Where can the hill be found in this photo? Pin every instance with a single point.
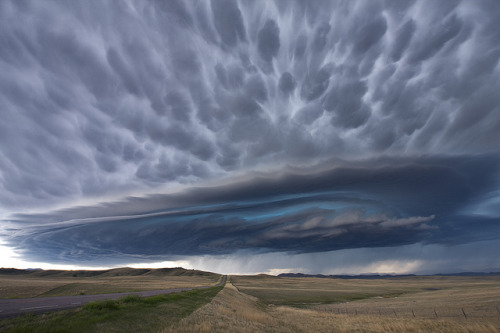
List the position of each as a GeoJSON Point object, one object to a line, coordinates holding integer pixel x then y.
{"type": "Point", "coordinates": [380, 276]}
{"type": "Point", "coordinates": [125, 271]}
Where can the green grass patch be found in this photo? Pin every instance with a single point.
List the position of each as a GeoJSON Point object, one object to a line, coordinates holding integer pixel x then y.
{"type": "Point", "coordinates": [102, 305]}
{"type": "Point", "coordinates": [302, 298]}
{"type": "Point", "coordinates": [132, 299]}
{"type": "Point", "coordinates": [128, 314]}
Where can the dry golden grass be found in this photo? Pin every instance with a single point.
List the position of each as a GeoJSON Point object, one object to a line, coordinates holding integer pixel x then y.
{"type": "Point", "coordinates": [230, 311]}
{"type": "Point", "coordinates": [316, 321]}
{"type": "Point", "coordinates": [297, 291]}
{"type": "Point", "coordinates": [20, 287]}
{"type": "Point", "coordinates": [460, 300]}
{"type": "Point", "coordinates": [235, 311]}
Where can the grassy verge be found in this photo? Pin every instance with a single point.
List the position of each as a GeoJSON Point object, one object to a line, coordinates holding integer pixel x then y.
{"type": "Point", "coordinates": [128, 314]}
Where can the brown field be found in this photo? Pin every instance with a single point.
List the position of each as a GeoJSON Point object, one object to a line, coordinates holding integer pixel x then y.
{"type": "Point", "coordinates": [266, 303]}
{"type": "Point", "coordinates": [23, 284]}
{"type": "Point", "coordinates": [414, 304]}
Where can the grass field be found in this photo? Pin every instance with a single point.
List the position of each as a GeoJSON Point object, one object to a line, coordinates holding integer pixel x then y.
{"type": "Point", "coordinates": [260, 303]}
{"type": "Point", "coordinates": [272, 304]}
{"type": "Point", "coordinates": [301, 292]}
{"type": "Point", "coordinates": [21, 284]}
{"type": "Point", "coordinates": [129, 314]}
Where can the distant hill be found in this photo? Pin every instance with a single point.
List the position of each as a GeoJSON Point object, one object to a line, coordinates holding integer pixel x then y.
{"type": "Point", "coordinates": [364, 276]}
{"type": "Point", "coordinates": [126, 271]}
{"type": "Point", "coordinates": [470, 274]}
{"type": "Point", "coordinates": [380, 276]}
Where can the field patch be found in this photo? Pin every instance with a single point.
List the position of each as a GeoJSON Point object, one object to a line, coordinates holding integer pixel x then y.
{"type": "Point", "coordinates": [128, 314]}
{"type": "Point", "coordinates": [235, 311]}
{"type": "Point", "coordinates": [409, 304]}
{"type": "Point", "coordinates": [24, 284]}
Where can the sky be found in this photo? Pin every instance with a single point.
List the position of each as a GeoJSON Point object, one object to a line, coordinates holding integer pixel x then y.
{"type": "Point", "coordinates": [243, 137]}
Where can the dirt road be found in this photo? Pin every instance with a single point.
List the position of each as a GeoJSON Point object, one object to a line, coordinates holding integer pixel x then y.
{"type": "Point", "coordinates": [19, 306]}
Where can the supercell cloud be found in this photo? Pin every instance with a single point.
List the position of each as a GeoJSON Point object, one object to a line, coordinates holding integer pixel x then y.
{"type": "Point", "coordinates": [280, 130]}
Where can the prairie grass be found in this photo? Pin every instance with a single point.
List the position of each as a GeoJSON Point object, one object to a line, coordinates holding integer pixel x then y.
{"type": "Point", "coordinates": [306, 320]}
{"type": "Point", "coordinates": [290, 305]}
{"type": "Point", "coordinates": [40, 286]}
{"type": "Point", "coordinates": [457, 303]}
{"type": "Point", "coordinates": [229, 311]}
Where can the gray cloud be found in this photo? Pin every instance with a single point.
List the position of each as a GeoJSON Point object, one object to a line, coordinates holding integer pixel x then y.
{"type": "Point", "coordinates": [287, 82]}
{"type": "Point", "coordinates": [345, 100]}
{"type": "Point", "coordinates": [108, 99]}
{"type": "Point", "coordinates": [403, 38]}
{"type": "Point", "coordinates": [429, 45]}
{"type": "Point", "coordinates": [370, 34]}
{"type": "Point", "coordinates": [268, 42]}
{"type": "Point", "coordinates": [415, 258]}
{"type": "Point", "coordinates": [228, 21]}
{"type": "Point", "coordinates": [391, 203]}
{"type": "Point", "coordinates": [315, 84]}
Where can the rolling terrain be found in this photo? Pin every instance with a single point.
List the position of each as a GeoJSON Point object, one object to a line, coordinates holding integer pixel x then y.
{"type": "Point", "coordinates": [43, 283]}
{"type": "Point", "coordinates": [408, 304]}
{"type": "Point", "coordinates": [260, 303]}
{"type": "Point", "coordinates": [146, 311]}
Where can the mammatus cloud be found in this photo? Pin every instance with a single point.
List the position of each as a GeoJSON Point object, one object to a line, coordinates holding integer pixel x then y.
{"type": "Point", "coordinates": [117, 97]}
{"type": "Point", "coordinates": [108, 100]}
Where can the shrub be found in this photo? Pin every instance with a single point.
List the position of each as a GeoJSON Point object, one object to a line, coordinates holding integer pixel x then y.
{"type": "Point", "coordinates": [102, 305]}
{"type": "Point", "coordinates": [153, 300]}
{"type": "Point", "coordinates": [131, 299]}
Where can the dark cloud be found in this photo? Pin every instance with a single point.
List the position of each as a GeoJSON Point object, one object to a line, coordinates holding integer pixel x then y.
{"type": "Point", "coordinates": [118, 64]}
{"type": "Point", "coordinates": [309, 114]}
{"type": "Point", "coordinates": [114, 99]}
{"type": "Point", "coordinates": [430, 44]}
{"type": "Point", "coordinates": [300, 46]}
{"type": "Point", "coordinates": [369, 34]}
{"type": "Point", "coordinates": [287, 83]}
{"type": "Point", "coordinates": [321, 36]}
{"type": "Point", "coordinates": [177, 105]}
{"type": "Point", "coordinates": [345, 100]}
{"type": "Point", "coordinates": [176, 10]}
{"type": "Point", "coordinates": [402, 40]}
{"type": "Point", "coordinates": [228, 21]}
{"type": "Point", "coordinates": [268, 42]}
{"type": "Point", "coordinates": [315, 84]}
{"type": "Point", "coordinates": [393, 202]}
{"type": "Point", "coordinates": [256, 88]}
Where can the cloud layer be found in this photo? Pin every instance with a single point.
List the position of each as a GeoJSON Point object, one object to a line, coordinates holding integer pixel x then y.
{"type": "Point", "coordinates": [111, 97]}
{"type": "Point", "coordinates": [352, 124]}
{"type": "Point", "coordinates": [391, 203]}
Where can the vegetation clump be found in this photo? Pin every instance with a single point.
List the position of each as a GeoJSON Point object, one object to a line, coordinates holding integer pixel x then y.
{"type": "Point", "coordinates": [102, 305]}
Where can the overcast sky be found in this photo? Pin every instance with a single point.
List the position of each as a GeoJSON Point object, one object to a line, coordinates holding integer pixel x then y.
{"type": "Point", "coordinates": [251, 136]}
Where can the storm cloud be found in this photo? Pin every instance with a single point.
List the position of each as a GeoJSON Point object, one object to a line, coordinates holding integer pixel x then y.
{"type": "Point", "coordinates": [185, 128]}
{"type": "Point", "coordinates": [394, 202]}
